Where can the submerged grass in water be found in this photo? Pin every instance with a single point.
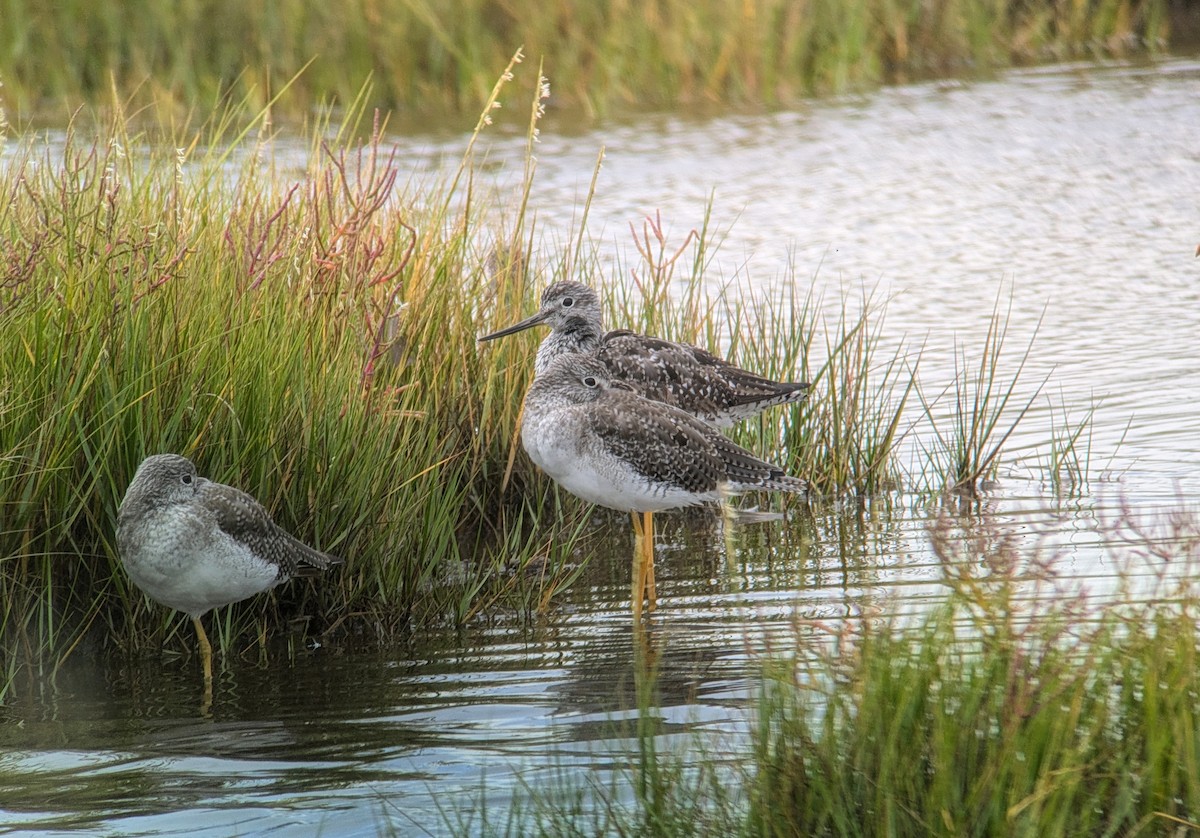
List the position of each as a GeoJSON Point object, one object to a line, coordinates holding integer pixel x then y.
{"type": "Point", "coordinates": [979, 416]}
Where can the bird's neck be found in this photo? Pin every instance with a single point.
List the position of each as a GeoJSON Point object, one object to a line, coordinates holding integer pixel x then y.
{"type": "Point", "coordinates": [138, 508]}
{"type": "Point", "coordinates": [543, 401]}
{"type": "Point", "coordinates": [577, 335]}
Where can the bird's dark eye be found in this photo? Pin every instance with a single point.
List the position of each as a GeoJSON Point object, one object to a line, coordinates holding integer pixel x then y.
{"type": "Point", "coordinates": [589, 381]}
{"type": "Point", "coordinates": [568, 302]}
{"type": "Point", "coordinates": [187, 478]}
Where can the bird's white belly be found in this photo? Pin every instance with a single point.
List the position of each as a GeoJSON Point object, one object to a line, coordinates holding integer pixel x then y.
{"type": "Point", "coordinates": [577, 463]}
{"type": "Point", "coordinates": [190, 565]}
{"type": "Point", "coordinates": [622, 488]}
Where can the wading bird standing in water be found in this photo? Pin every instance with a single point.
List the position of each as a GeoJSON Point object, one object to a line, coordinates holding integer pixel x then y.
{"type": "Point", "coordinates": [605, 443]}
{"type": "Point", "coordinates": [194, 545]}
{"type": "Point", "coordinates": [674, 374]}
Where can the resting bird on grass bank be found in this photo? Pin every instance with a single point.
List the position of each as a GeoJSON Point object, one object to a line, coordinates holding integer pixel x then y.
{"type": "Point", "coordinates": [603, 442]}
{"type": "Point", "coordinates": [194, 545]}
{"type": "Point", "coordinates": [678, 374]}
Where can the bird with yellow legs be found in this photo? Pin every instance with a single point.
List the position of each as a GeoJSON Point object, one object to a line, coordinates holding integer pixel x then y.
{"type": "Point", "coordinates": [604, 443]}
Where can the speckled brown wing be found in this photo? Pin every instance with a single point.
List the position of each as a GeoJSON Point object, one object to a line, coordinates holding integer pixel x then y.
{"type": "Point", "coordinates": [669, 446]}
{"type": "Point", "coordinates": [660, 442]}
{"type": "Point", "coordinates": [691, 378]}
{"type": "Point", "coordinates": [245, 519]}
{"type": "Point", "coordinates": [744, 469]}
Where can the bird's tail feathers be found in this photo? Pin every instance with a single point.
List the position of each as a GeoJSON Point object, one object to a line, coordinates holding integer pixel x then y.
{"type": "Point", "coordinates": [309, 561]}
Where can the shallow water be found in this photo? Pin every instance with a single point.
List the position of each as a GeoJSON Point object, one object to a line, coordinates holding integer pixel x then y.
{"type": "Point", "coordinates": [1070, 190]}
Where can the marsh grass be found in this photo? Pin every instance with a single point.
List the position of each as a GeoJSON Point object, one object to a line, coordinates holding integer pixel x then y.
{"type": "Point", "coordinates": [1023, 706]}
{"type": "Point", "coordinates": [1066, 459]}
{"type": "Point", "coordinates": [842, 438]}
{"type": "Point", "coordinates": [310, 342]}
{"type": "Point", "coordinates": [1020, 705]}
{"type": "Point", "coordinates": [604, 55]}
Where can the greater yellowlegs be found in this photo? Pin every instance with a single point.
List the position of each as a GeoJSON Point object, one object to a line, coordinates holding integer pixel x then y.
{"type": "Point", "coordinates": [604, 443]}
{"type": "Point", "coordinates": [679, 374]}
{"type": "Point", "coordinates": [194, 545]}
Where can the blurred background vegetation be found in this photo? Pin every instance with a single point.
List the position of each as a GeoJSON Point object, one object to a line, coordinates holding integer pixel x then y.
{"type": "Point", "coordinates": [427, 56]}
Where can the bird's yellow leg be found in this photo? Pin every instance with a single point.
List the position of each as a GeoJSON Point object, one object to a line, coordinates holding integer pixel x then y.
{"type": "Point", "coordinates": [205, 651]}
{"type": "Point", "coordinates": [648, 538]}
{"type": "Point", "coordinates": [637, 575]}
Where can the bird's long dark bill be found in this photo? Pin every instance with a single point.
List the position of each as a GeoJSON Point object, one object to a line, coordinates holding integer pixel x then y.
{"type": "Point", "coordinates": [527, 323]}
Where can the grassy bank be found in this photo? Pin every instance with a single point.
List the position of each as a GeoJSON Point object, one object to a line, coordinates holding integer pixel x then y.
{"type": "Point", "coordinates": [311, 337]}
{"type": "Point", "coordinates": [311, 341]}
{"type": "Point", "coordinates": [1023, 706]}
{"type": "Point", "coordinates": [601, 56]}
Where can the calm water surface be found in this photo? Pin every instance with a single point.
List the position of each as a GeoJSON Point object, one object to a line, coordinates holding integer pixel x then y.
{"type": "Point", "coordinates": [1071, 191]}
